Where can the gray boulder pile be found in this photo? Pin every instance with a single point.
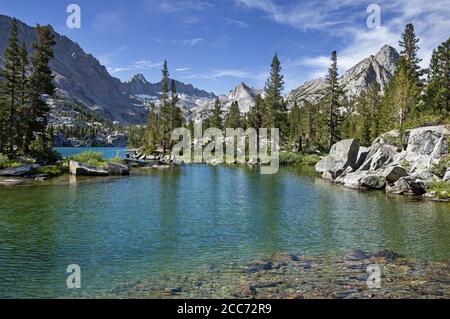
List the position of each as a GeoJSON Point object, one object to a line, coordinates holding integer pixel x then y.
{"type": "Point", "coordinates": [399, 167]}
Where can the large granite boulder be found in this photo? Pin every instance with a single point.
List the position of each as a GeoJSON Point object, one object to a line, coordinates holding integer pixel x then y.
{"type": "Point", "coordinates": [80, 169]}
{"type": "Point", "coordinates": [425, 147]}
{"type": "Point", "coordinates": [373, 181]}
{"type": "Point", "coordinates": [117, 169]}
{"type": "Point", "coordinates": [380, 155]}
{"type": "Point", "coordinates": [431, 141]}
{"type": "Point", "coordinates": [342, 155]}
{"type": "Point", "coordinates": [410, 185]}
{"type": "Point", "coordinates": [393, 173]}
{"type": "Point", "coordinates": [362, 155]}
{"type": "Point", "coordinates": [20, 171]}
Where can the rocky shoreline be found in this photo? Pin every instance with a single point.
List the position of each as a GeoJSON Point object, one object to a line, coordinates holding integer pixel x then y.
{"type": "Point", "coordinates": [289, 276]}
{"type": "Point", "coordinates": [401, 167]}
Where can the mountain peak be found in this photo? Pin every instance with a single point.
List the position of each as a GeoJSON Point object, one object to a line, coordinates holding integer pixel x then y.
{"type": "Point", "coordinates": [377, 68]}
{"type": "Point", "coordinates": [138, 78]}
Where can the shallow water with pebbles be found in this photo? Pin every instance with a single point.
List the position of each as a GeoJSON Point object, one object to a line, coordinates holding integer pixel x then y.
{"type": "Point", "coordinates": [301, 277]}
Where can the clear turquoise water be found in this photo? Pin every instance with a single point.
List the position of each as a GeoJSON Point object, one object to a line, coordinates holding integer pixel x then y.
{"type": "Point", "coordinates": [180, 220]}
{"type": "Point", "coordinates": [108, 152]}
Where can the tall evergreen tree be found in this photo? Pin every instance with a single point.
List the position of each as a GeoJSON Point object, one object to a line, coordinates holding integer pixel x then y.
{"type": "Point", "coordinates": [409, 44]}
{"type": "Point", "coordinates": [404, 94]}
{"type": "Point", "coordinates": [9, 91]}
{"type": "Point", "coordinates": [152, 136]}
{"type": "Point", "coordinates": [41, 83]}
{"type": "Point", "coordinates": [215, 120]}
{"type": "Point", "coordinates": [255, 114]}
{"type": "Point", "coordinates": [233, 118]}
{"type": "Point", "coordinates": [176, 113]}
{"type": "Point", "coordinates": [165, 111]}
{"type": "Point", "coordinates": [275, 113]}
{"type": "Point", "coordinates": [438, 88]}
{"type": "Point", "coordinates": [333, 96]}
{"type": "Point", "coordinates": [24, 99]}
{"type": "Point", "coordinates": [296, 127]}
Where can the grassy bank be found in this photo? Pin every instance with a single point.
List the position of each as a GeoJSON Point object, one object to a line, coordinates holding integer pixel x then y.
{"type": "Point", "coordinates": [290, 158]}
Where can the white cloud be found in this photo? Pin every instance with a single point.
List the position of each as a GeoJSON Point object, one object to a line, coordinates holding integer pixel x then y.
{"type": "Point", "coordinates": [233, 73]}
{"type": "Point", "coordinates": [183, 69]}
{"type": "Point", "coordinates": [136, 66]}
{"type": "Point", "coordinates": [106, 58]}
{"type": "Point", "coordinates": [182, 42]}
{"type": "Point", "coordinates": [237, 23]}
{"type": "Point", "coordinates": [107, 21]}
{"type": "Point", "coordinates": [348, 17]}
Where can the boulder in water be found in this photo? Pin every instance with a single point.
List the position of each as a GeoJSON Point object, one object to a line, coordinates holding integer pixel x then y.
{"type": "Point", "coordinates": [80, 169]}
{"type": "Point", "coordinates": [117, 169]}
{"type": "Point", "coordinates": [342, 155]}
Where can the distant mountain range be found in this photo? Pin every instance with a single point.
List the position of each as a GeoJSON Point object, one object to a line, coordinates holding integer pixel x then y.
{"type": "Point", "coordinates": [80, 76]}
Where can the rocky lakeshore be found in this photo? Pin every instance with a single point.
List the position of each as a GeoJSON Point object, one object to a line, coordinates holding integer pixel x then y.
{"type": "Point", "coordinates": [408, 164]}
{"type": "Point", "coordinates": [289, 276]}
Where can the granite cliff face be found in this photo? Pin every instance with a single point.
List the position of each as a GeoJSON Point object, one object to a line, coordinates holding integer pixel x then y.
{"type": "Point", "coordinates": [80, 76]}
{"type": "Point", "coordinates": [374, 69]}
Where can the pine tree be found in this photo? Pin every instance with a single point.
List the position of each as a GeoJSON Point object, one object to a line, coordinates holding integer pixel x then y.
{"type": "Point", "coordinates": [24, 99]}
{"type": "Point", "coordinates": [366, 118]}
{"type": "Point", "coordinates": [152, 137]}
{"type": "Point", "coordinates": [176, 113]}
{"type": "Point", "coordinates": [41, 83]}
{"type": "Point", "coordinates": [404, 94]}
{"type": "Point", "coordinates": [10, 92]}
{"type": "Point", "coordinates": [409, 44]}
{"type": "Point", "coordinates": [375, 106]}
{"type": "Point", "coordinates": [165, 111]}
{"type": "Point", "coordinates": [215, 120]}
{"type": "Point", "coordinates": [275, 113]}
{"type": "Point", "coordinates": [438, 88]}
{"type": "Point", "coordinates": [233, 118]}
{"type": "Point", "coordinates": [255, 114]}
{"type": "Point", "coordinates": [333, 96]}
{"type": "Point", "coordinates": [296, 127]}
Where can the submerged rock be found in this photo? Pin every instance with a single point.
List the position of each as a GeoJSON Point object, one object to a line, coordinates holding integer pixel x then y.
{"type": "Point", "coordinates": [20, 171]}
{"type": "Point", "coordinates": [80, 169]}
{"type": "Point", "coordinates": [373, 181]}
{"type": "Point", "coordinates": [117, 169]}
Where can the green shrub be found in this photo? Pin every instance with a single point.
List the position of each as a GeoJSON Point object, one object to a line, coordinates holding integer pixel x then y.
{"type": "Point", "coordinates": [440, 168]}
{"type": "Point", "coordinates": [3, 160]}
{"type": "Point", "coordinates": [116, 159]}
{"type": "Point", "coordinates": [441, 189]}
{"type": "Point", "coordinates": [290, 158]}
{"type": "Point", "coordinates": [52, 170]}
{"type": "Point", "coordinates": [88, 157]}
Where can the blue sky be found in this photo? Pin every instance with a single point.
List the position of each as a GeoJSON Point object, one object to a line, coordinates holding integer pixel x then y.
{"type": "Point", "coordinates": [217, 44]}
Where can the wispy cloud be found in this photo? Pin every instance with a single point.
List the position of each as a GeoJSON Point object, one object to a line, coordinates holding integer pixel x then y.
{"type": "Point", "coordinates": [242, 74]}
{"type": "Point", "coordinates": [108, 20]}
{"type": "Point", "coordinates": [183, 69]}
{"type": "Point", "coordinates": [237, 23]}
{"type": "Point", "coordinates": [106, 58]}
{"type": "Point", "coordinates": [140, 65]}
{"type": "Point", "coordinates": [304, 15]}
{"type": "Point", "coordinates": [181, 42]}
{"type": "Point", "coordinates": [175, 6]}
{"type": "Point", "coordinates": [346, 20]}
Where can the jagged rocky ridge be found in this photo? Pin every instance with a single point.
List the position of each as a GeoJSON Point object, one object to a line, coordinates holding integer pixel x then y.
{"type": "Point", "coordinates": [385, 165]}
{"type": "Point", "coordinates": [80, 76]}
{"type": "Point", "coordinates": [379, 68]}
